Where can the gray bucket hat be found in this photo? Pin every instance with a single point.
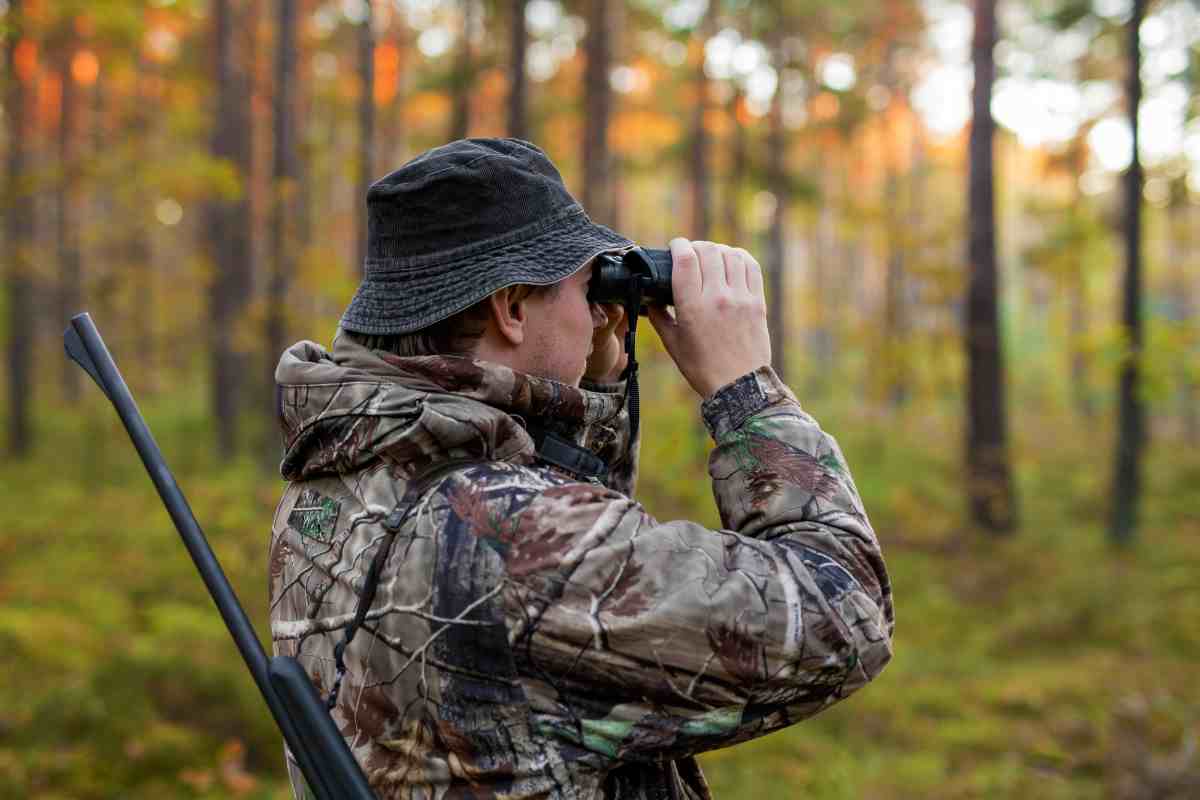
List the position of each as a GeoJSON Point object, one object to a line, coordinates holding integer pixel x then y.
{"type": "Point", "coordinates": [462, 221]}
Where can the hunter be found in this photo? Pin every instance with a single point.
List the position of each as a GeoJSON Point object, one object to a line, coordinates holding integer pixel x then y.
{"type": "Point", "coordinates": [458, 560]}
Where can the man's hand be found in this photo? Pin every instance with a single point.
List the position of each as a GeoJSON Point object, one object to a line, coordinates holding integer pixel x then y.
{"type": "Point", "coordinates": [608, 358]}
{"type": "Point", "coordinates": [718, 332]}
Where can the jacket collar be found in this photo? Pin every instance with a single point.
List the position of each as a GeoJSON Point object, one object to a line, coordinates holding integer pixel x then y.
{"type": "Point", "coordinates": [341, 409]}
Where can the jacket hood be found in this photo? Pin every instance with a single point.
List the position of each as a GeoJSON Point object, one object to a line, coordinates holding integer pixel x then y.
{"type": "Point", "coordinates": [341, 410]}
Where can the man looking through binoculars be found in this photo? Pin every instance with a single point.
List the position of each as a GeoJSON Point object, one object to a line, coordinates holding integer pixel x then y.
{"type": "Point", "coordinates": [457, 561]}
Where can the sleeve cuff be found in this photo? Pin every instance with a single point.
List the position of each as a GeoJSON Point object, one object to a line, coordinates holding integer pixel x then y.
{"type": "Point", "coordinates": [602, 388]}
{"type": "Point", "coordinates": [729, 407]}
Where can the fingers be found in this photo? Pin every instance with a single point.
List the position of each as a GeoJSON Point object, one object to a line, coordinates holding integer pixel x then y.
{"type": "Point", "coordinates": [614, 315]}
{"type": "Point", "coordinates": [722, 267]}
{"type": "Point", "coordinates": [718, 331]}
{"type": "Point", "coordinates": [704, 268]}
{"type": "Point", "coordinates": [712, 267]}
{"type": "Point", "coordinates": [754, 276]}
{"type": "Point", "coordinates": [735, 268]}
{"type": "Point", "coordinates": [686, 282]}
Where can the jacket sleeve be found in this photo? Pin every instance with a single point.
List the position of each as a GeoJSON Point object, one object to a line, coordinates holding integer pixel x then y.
{"type": "Point", "coordinates": [611, 441]}
{"type": "Point", "coordinates": [642, 640]}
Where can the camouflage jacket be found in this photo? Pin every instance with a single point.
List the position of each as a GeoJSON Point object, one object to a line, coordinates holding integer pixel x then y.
{"type": "Point", "coordinates": [537, 635]}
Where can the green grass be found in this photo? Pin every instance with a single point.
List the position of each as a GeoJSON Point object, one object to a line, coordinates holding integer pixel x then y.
{"type": "Point", "coordinates": [1044, 665]}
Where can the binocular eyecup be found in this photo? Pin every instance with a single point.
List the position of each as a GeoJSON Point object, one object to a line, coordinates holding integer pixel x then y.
{"type": "Point", "coordinates": [640, 273]}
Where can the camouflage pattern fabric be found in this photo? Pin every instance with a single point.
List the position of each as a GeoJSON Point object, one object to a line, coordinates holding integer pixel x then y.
{"type": "Point", "coordinates": [534, 635]}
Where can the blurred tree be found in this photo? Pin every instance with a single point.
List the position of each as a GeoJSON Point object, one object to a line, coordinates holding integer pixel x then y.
{"type": "Point", "coordinates": [284, 180]}
{"type": "Point", "coordinates": [137, 248]}
{"type": "Point", "coordinates": [463, 80]}
{"type": "Point", "coordinates": [895, 314]}
{"type": "Point", "coordinates": [229, 229]}
{"type": "Point", "coordinates": [739, 163]}
{"type": "Point", "coordinates": [1126, 487]}
{"type": "Point", "coordinates": [518, 105]}
{"type": "Point", "coordinates": [1181, 238]}
{"type": "Point", "coordinates": [366, 128]}
{"type": "Point", "coordinates": [21, 62]}
{"type": "Point", "coordinates": [990, 493]}
{"type": "Point", "coordinates": [777, 185]}
{"type": "Point", "coordinates": [1064, 256]}
{"type": "Point", "coordinates": [597, 181]}
{"type": "Point", "coordinates": [69, 190]}
{"type": "Point", "coordinates": [698, 156]}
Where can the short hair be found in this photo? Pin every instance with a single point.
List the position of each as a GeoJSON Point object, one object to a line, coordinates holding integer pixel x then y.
{"type": "Point", "coordinates": [457, 335]}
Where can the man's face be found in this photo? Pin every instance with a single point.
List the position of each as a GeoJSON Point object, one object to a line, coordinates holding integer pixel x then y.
{"type": "Point", "coordinates": [561, 324]}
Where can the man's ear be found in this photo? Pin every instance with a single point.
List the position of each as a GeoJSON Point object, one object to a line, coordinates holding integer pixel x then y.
{"type": "Point", "coordinates": [509, 315]}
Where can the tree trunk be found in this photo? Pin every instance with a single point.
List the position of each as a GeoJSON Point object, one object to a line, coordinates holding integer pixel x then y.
{"type": "Point", "coordinates": [895, 318]}
{"type": "Point", "coordinates": [1077, 299]}
{"type": "Point", "coordinates": [1126, 488]}
{"type": "Point", "coordinates": [698, 157]}
{"type": "Point", "coordinates": [1179, 255]}
{"type": "Point", "coordinates": [818, 257]}
{"type": "Point", "coordinates": [597, 184]}
{"type": "Point", "coordinates": [738, 169]}
{"type": "Point", "coordinates": [464, 69]}
{"type": "Point", "coordinates": [68, 202]}
{"type": "Point", "coordinates": [989, 485]}
{"type": "Point", "coordinates": [366, 128]}
{"type": "Point", "coordinates": [18, 233]}
{"type": "Point", "coordinates": [1079, 363]}
{"type": "Point", "coordinates": [229, 231]}
{"type": "Point", "coordinates": [777, 185]}
{"type": "Point", "coordinates": [137, 246]}
{"type": "Point", "coordinates": [518, 113]}
{"type": "Point", "coordinates": [283, 185]}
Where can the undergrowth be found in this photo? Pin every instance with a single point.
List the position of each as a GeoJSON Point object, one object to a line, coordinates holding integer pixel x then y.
{"type": "Point", "coordinates": [1047, 664]}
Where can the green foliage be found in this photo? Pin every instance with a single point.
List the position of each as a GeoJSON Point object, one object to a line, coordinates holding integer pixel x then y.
{"type": "Point", "coordinates": [1046, 665]}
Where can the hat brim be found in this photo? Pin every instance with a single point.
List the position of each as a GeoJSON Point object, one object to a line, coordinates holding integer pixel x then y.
{"type": "Point", "coordinates": [409, 299]}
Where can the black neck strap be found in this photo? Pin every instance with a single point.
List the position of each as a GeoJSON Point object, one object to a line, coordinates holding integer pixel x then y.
{"type": "Point", "coordinates": [633, 308]}
{"type": "Point", "coordinates": [557, 451]}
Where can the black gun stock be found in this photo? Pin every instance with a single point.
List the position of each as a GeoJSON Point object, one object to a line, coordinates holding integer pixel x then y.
{"type": "Point", "coordinates": [310, 733]}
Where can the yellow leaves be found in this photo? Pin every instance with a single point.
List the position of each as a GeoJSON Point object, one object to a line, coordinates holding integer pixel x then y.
{"type": "Point", "coordinates": [197, 176]}
{"type": "Point", "coordinates": [428, 110]}
{"type": "Point", "coordinates": [85, 67]}
{"type": "Point", "coordinates": [387, 72]}
{"type": "Point", "coordinates": [825, 106]}
{"type": "Point", "coordinates": [643, 131]}
{"type": "Point", "coordinates": [25, 59]}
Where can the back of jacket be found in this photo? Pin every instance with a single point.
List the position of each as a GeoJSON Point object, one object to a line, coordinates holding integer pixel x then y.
{"type": "Point", "coordinates": [536, 635]}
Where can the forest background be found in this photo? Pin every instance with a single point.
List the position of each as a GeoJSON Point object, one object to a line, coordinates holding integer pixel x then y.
{"type": "Point", "coordinates": [998, 322]}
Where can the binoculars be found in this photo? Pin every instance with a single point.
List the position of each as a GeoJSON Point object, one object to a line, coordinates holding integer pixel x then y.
{"type": "Point", "coordinates": [641, 277]}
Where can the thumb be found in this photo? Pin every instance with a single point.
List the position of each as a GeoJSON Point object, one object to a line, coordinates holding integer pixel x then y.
{"type": "Point", "coordinates": [665, 325]}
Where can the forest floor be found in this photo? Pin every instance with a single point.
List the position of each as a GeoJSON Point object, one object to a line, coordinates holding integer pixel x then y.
{"type": "Point", "coordinates": [1047, 664]}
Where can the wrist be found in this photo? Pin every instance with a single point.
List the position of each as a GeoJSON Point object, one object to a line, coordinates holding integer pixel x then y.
{"type": "Point", "coordinates": [710, 385]}
{"type": "Point", "coordinates": [728, 408]}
